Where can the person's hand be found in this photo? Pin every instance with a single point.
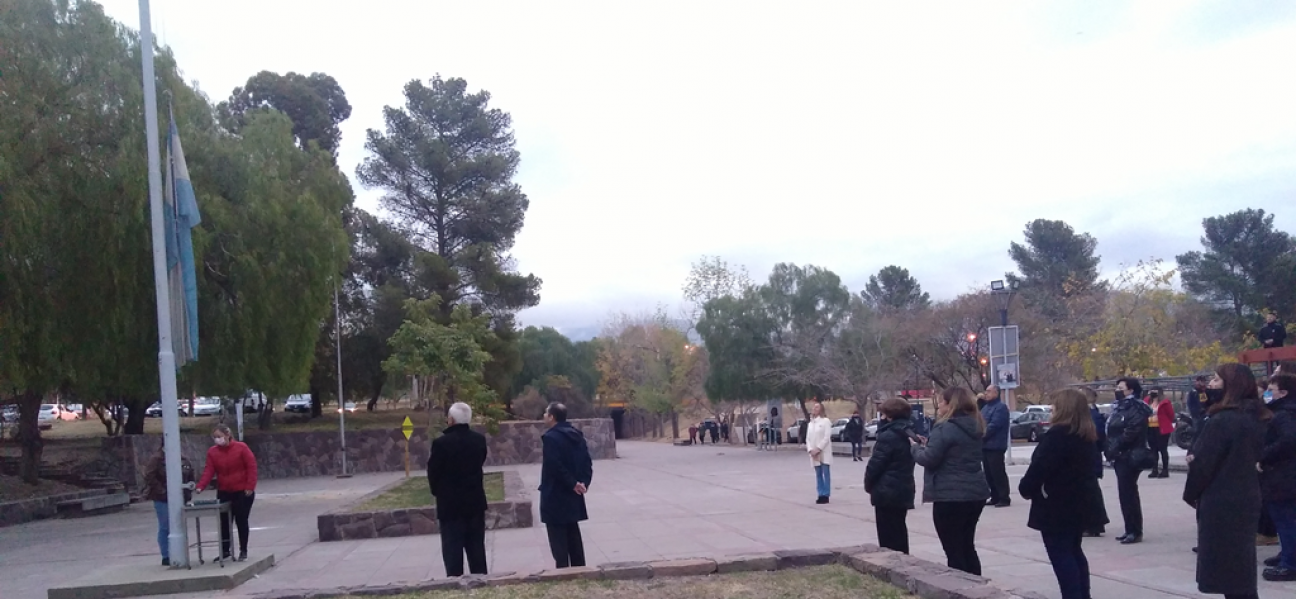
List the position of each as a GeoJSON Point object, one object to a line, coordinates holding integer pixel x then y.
{"type": "Point", "coordinates": [814, 453]}
{"type": "Point", "coordinates": [1259, 468]}
{"type": "Point", "coordinates": [922, 440]}
{"type": "Point", "coordinates": [199, 490]}
{"type": "Point", "coordinates": [1188, 459]}
{"type": "Point", "coordinates": [580, 488]}
{"type": "Point", "coordinates": [248, 492]}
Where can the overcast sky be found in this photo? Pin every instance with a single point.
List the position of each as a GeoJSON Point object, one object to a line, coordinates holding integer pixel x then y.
{"type": "Point", "coordinates": [851, 135]}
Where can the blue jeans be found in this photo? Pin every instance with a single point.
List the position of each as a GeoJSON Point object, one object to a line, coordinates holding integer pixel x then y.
{"type": "Point", "coordinates": [1069, 563]}
{"type": "Point", "coordinates": [164, 527]}
{"type": "Point", "coordinates": [823, 480]}
{"type": "Point", "coordinates": [1284, 519]}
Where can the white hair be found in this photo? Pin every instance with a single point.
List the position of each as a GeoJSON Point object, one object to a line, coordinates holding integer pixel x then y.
{"type": "Point", "coordinates": [461, 413]}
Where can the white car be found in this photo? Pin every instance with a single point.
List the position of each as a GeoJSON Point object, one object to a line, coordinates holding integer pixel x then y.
{"type": "Point", "coordinates": [48, 412]}
{"type": "Point", "coordinates": [298, 403]}
{"type": "Point", "coordinates": [839, 428]}
{"type": "Point", "coordinates": [207, 406]}
{"type": "Point", "coordinates": [350, 407]}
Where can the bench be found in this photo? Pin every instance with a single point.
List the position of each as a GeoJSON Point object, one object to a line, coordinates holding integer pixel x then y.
{"type": "Point", "coordinates": [90, 506]}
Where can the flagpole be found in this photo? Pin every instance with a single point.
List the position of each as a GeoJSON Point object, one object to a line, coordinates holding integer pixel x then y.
{"type": "Point", "coordinates": [177, 538]}
{"type": "Point", "coordinates": [337, 338]}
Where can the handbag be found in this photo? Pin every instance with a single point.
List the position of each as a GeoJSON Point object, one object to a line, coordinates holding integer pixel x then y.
{"type": "Point", "coordinates": [1143, 458]}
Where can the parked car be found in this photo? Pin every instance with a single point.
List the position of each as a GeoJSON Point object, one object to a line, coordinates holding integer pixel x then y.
{"type": "Point", "coordinates": [794, 431]}
{"type": "Point", "coordinates": [839, 430]}
{"type": "Point", "coordinates": [207, 406]}
{"type": "Point", "coordinates": [155, 410]}
{"type": "Point", "coordinates": [300, 404]}
{"type": "Point", "coordinates": [67, 413]}
{"type": "Point", "coordinates": [9, 414]}
{"type": "Point", "coordinates": [349, 406]}
{"type": "Point", "coordinates": [1040, 408]}
{"type": "Point", "coordinates": [48, 412]}
{"type": "Point", "coordinates": [1031, 425]}
{"type": "Point", "coordinates": [870, 430]}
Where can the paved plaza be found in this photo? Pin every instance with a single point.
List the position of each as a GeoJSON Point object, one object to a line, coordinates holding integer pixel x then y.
{"type": "Point", "coordinates": [655, 502]}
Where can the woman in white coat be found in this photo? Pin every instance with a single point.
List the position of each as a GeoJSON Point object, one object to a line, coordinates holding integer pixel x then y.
{"type": "Point", "coordinates": [819, 446]}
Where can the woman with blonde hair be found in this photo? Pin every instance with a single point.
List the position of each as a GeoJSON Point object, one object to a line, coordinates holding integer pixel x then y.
{"type": "Point", "coordinates": [1061, 486]}
{"type": "Point", "coordinates": [818, 444]}
{"type": "Point", "coordinates": [953, 480]}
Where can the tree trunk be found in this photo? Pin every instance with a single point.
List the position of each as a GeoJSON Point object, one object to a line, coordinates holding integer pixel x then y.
{"type": "Point", "coordinates": [265, 418]}
{"type": "Point", "coordinates": [317, 400]}
{"type": "Point", "coordinates": [135, 419]}
{"type": "Point", "coordinates": [674, 416]}
{"type": "Point", "coordinates": [373, 401]}
{"type": "Point", "coordinates": [29, 436]}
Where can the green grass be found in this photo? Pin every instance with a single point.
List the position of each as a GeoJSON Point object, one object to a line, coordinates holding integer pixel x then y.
{"type": "Point", "coordinates": [826, 582]}
{"type": "Point", "coordinates": [414, 492]}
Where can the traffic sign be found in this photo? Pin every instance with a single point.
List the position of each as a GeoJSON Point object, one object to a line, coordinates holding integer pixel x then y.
{"type": "Point", "coordinates": [407, 428]}
{"type": "Point", "coordinates": [1004, 357]}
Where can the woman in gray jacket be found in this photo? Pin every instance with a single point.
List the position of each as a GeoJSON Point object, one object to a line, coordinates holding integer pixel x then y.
{"type": "Point", "coordinates": [953, 481]}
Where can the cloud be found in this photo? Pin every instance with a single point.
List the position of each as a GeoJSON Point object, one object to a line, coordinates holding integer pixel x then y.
{"type": "Point", "coordinates": [849, 135]}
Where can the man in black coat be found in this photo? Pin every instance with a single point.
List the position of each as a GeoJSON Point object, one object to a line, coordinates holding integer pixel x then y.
{"type": "Point", "coordinates": [1278, 475]}
{"type": "Point", "coordinates": [1272, 334]}
{"type": "Point", "coordinates": [854, 433]}
{"type": "Point", "coordinates": [889, 476]}
{"type": "Point", "coordinates": [565, 476]}
{"type": "Point", "coordinates": [1126, 446]}
{"type": "Point", "coordinates": [455, 476]}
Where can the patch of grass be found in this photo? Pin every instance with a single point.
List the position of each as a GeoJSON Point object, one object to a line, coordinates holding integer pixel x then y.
{"type": "Point", "coordinates": [826, 582]}
{"type": "Point", "coordinates": [13, 488]}
{"type": "Point", "coordinates": [414, 492]}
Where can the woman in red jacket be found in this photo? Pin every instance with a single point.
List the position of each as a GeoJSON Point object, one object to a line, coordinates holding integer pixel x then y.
{"type": "Point", "coordinates": [235, 469]}
{"type": "Point", "coordinates": [1159, 438]}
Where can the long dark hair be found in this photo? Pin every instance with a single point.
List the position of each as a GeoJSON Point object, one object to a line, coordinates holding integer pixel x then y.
{"type": "Point", "coordinates": [1240, 391]}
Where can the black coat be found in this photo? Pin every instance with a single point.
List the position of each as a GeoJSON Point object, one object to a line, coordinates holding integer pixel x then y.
{"type": "Point", "coordinates": [1278, 479]}
{"type": "Point", "coordinates": [1061, 484]}
{"type": "Point", "coordinates": [889, 475]}
{"type": "Point", "coordinates": [1127, 429]}
{"type": "Point", "coordinates": [1273, 332]}
{"type": "Point", "coordinates": [1100, 423]}
{"type": "Point", "coordinates": [455, 473]}
{"type": "Point", "coordinates": [566, 462]}
{"type": "Point", "coordinates": [1224, 486]}
{"type": "Point", "coordinates": [854, 430]}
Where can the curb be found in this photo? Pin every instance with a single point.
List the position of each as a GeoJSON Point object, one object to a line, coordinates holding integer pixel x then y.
{"type": "Point", "coordinates": [919, 577]}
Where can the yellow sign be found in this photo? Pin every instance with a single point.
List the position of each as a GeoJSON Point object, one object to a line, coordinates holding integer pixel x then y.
{"type": "Point", "coordinates": [407, 428]}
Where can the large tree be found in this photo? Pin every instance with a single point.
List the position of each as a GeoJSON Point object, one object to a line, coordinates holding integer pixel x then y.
{"type": "Point", "coordinates": [1054, 264]}
{"type": "Point", "coordinates": [893, 288]}
{"type": "Point", "coordinates": [1248, 265]}
{"type": "Point", "coordinates": [315, 103]}
{"type": "Point", "coordinates": [545, 352]}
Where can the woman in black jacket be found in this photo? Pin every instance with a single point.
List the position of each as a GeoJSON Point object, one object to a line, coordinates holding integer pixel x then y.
{"type": "Point", "coordinates": [1278, 475]}
{"type": "Point", "coordinates": [1225, 488]}
{"type": "Point", "coordinates": [1127, 449]}
{"type": "Point", "coordinates": [889, 476]}
{"type": "Point", "coordinates": [1060, 485]}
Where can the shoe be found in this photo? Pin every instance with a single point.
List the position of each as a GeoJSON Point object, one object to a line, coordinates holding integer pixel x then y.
{"type": "Point", "coordinates": [1279, 574]}
{"type": "Point", "coordinates": [1093, 533]}
{"type": "Point", "coordinates": [1154, 474]}
{"type": "Point", "coordinates": [167, 562]}
{"type": "Point", "coordinates": [1194, 550]}
{"type": "Point", "coordinates": [1271, 562]}
{"type": "Point", "coordinates": [1003, 504]}
{"type": "Point", "coordinates": [1131, 539]}
{"type": "Point", "coordinates": [822, 500]}
{"type": "Point", "coordinates": [243, 556]}
{"type": "Point", "coordinates": [1266, 541]}
{"type": "Point", "coordinates": [990, 502]}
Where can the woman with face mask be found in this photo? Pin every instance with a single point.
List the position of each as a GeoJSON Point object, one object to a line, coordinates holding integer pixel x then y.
{"type": "Point", "coordinates": [235, 469]}
{"type": "Point", "coordinates": [1224, 487]}
{"type": "Point", "coordinates": [1278, 475]}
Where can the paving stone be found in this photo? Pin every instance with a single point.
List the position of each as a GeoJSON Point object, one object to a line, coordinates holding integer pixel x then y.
{"type": "Point", "coordinates": [804, 558]}
{"type": "Point", "coordinates": [756, 562]}
{"type": "Point", "coordinates": [877, 565]}
{"type": "Point", "coordinates": [683, 567]}
{"type": "Point", "coordinates": [982, 592]}
{"type": "Point", "coordinates": [941, 585]}
{"type": "Point", "coordinates": [472, 581]}
{"type": "Point", "coordinates": [575, 573]}
{"type": "Point", "coordinates": [844, 552]}
{"type": "Point", "coordinates": [433, 585]}
{"type": "Point", "coordinates": [512, 578]}
{"type": "Point", "coordinates": [626, 571]}
{"type": "Point", "coordinates": [386, 590]}
{"type": "Point", "coordinates": [1020, 594]}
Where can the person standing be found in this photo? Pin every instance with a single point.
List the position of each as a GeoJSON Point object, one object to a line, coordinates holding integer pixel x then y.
{"type": "Point", "coordinates": [855, 434]}
{"type": "Point", "coordinates": [155, 481]}
{"type": "Point", "coordinates": [1127, 449]}
{"type": "Point", "coordinates": [994, 447]}
{"type": "Point", "coordinates": [889, 475]}
{"type": "Point", "coordinates": [565, 475]}
{"type": "Point", "coordinates": [693, 430]}
{"type": "Point", "coordinates": [953, 480]}
{"type": "Point", "coordinates": [1060, 485]}
{"type": "Point", "coordinates": [1273, 333]}
{"type": "Point", "coordinates": [235, 469]}
{"type": "Point", "coordinates": [1160, 426]}
{"type": "Point", "coordinates": [1100, 425]}
{"type": "Point", "coordinates": [1196, 407]}
{"type": "Point", "coordinates": [457, 480]}
{"type": "Point", "coordinates": [1278, 476]}
{"type": "Point", "coordinates": [1225, 488]}
{"type": "Point", "coordinates": [818, 444]}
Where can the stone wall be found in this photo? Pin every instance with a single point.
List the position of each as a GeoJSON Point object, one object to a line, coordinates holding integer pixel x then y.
{"type": "Point", "coordinates": [315, 453]}
{"type": "Point", "coordinates": [27, 510]}
{"type": "Point", "coordinates": [345, 525]}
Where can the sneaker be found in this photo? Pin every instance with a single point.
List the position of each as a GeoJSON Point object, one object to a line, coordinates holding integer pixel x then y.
{"type": "Point", "coordinates": [1003, 504]}
{"type": "Point", "coordinates": [1271, 562]}
{"type": "Point", "coordinates": [1131, 539]}
{"type": "Point", "coordinates": [1279, 574]}
{"type": "Point", "coordinates": [821, 500]}
{"type": "Point", "coordinates": [167, 562]}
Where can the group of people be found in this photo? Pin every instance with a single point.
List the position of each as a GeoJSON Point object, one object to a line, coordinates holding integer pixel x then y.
{"type": "Point", "coordinates": [718, 431]}
{"type": "Point", "coordinates": [1243, 461]}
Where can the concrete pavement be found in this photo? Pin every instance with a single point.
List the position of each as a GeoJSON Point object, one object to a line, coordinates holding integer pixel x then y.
{"type": "Point", "coordinates": [662, 502]}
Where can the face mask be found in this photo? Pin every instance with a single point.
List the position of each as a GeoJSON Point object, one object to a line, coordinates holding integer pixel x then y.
{"type": "Point", "coordinates": [1268, 396]}
{"type": "Point", "coordinates": [1119, 396]}
{"type": "Point", "coordinates": [1214, 395]}
{"type": "Point", "coordinates": [220, 441]}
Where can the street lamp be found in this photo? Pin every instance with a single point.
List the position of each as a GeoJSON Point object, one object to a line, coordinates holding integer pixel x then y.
{"type": "Point", "coordinates": [1004, 297]}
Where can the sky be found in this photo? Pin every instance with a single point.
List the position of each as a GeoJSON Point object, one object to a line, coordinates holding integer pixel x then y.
{"type": "Point", "coordinates": [849, 135]}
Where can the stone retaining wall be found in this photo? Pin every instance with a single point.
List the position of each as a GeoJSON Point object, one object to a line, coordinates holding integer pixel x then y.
{"type": "Point", "coordinates": [927, 580]}
{"type": "Point", "coordinates": [345, 525]}
{"type": "Point", "coordinates": [27, 510]}
{"type": "Point", "coordinates": [315, 453]}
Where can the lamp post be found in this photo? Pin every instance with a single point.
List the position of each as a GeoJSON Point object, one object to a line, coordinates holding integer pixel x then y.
{"type": "Point", "coordinates": [1003, 296]}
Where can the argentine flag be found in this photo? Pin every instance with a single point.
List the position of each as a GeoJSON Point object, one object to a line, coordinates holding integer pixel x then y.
{"type": "Point", "coordinates": [180, 208]}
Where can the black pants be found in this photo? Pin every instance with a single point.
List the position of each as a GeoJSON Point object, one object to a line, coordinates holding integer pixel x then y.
{"type": "Point", "coordinates": [956, 523]}
{"type": "Point", "coordinates": [464, 536]}
{"type": "Point", "coordinates": [996, 473]}
{"type": "Point", "coordinates": [1131, 505]}
{"type": "Point", "coordinates": [1160, 446]}
{"type": "Point", "coordinates": [1267, 527]}
{"type": "Point", "coordinates": [566, 545]}
{"type": "Point", "coordinates": [892, 531]}
{"type": "Point", "coordinates": [857, 448]}
{"type": "Point", "coordinates": [1069, 563]}
{"type": "Point", "coordinates": [240, 508]}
